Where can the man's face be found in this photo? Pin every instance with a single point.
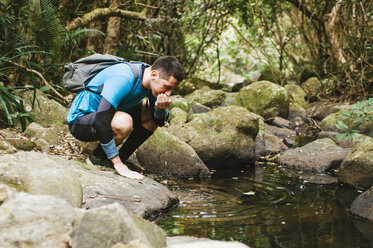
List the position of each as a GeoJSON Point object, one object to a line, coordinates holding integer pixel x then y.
{"type": "Point", "coordinates": [162, 86]}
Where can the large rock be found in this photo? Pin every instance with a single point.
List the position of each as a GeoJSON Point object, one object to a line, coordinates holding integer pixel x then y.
{"type": "Point", "coordinates": [52, 134]}
{"type": "Point", "coordinates": [312, 87]}
{"type": "Point", "coordinates": [146, 198]}
{"type": "Point", "coordinates": [34, 175]}
{"type": "Point", "coordinates": [318, 156]}
{"type": "Point", "coordinates": [357, 167]}
{"type": "Point", "coordinates": [329, 122]}
{"type": "Point", "coordinates": [223, 137]}
{"type": "Point", "coordinates": [46, 221]}
{"type": "Point", "coordinates": [265, 99]}
{"type": "Point", "coordinates": [320, 110]}
{"type": "Point", "coordinates": [112, 224]}
{"type": "Point", "coordinates": [192, 242]}
{"type": "Point", "coordinates": [363, 205]}
{"type": "Point", "coordinates": [165, 154]}
{"type": "Point", "coordinates": [207, 97]}
{"type": "Point", "coordinates": [35, 221]}
{"type": "Point", "coordinates": [266, 143]}
{"type": "Point", "coordinates": [189, 85]}
{"type": "Point", "coordinates": [177, 116]}
{"type": "Point", "coordinates": [180, 102]}
{"type": "Point", "coordinates": [298, 95]}
{"type": "Point", "coordinates": [44, 111]}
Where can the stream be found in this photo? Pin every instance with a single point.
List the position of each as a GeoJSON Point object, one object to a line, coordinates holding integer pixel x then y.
{"type": "Point", "coordinates": [267, 206]}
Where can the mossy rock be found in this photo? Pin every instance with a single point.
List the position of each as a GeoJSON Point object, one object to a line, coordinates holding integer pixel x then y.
{"type": "Point", "coordinates": [223, 137]}
{"type": "Point", "coordinates": [189, 85]}
{"type": "Point", "coordinates": [207, 96]}
{"type": "Point", "coordinates": [265, 99]}
{"type": "Point", "coordinates": [165, 154]}
{"type": "Point", "coordinates": [357, 167]}
{"type": "Point", "coordinates": [232, 99]}
{"type": "Point", "coordinates": [44, 111]}
{"type": "Point", "coordinates": [177, 116]}
{"type": "Point", "coordinates": [298, 95]}
{"type": "Point", "coordinates": [180, 102]}
{"type": "Point", "coordinates": [329, 122]}
{"type": "Point", "coordinates": [312, 87]}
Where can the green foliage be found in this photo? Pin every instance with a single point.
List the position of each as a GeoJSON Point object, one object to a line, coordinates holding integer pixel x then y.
{"type": "Point", "coordinates": [351, 119]}
{"type": "Point", "coordinates": [13, 107]}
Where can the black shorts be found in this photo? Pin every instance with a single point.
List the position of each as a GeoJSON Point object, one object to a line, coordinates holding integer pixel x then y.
{"type": "Point", "coordinates": [84, 130]}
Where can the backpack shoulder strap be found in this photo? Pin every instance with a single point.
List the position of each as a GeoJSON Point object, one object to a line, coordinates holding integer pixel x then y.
{"type": "Point", "coordinates": [135, 72]}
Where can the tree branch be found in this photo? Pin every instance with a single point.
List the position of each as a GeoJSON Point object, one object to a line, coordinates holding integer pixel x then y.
{"type": "Point", "coordinates": [104, 12]}
{"type": "Point", "coordinates": [300, 6]}
{"type": "Point", "coordinates": [42, 79]}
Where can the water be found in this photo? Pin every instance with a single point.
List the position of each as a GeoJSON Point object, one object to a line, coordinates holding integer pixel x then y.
{"type": "Point", "coordinates": [266, 207]}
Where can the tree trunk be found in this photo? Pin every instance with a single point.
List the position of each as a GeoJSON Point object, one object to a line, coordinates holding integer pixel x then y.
{"type": "Point", "coordinates": [94, 43]}
{"type": "Point", "coordinates": [334, 31]}
{"type": "Point", "coordinates": [112, 31]}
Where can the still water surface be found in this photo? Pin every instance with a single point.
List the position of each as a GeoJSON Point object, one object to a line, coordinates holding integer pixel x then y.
{"type": "Point", "coordinates": [266, 206]}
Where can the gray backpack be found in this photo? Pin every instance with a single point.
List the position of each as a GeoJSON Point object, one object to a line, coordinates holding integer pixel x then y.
{"type": "Point", "coordinates": [79, 73]}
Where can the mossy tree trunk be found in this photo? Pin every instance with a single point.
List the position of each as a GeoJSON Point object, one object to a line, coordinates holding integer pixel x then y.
{"type": "Point", "coordinates": [112, 30]}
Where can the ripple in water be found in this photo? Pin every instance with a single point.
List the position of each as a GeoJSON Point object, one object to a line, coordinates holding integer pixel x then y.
{"type": "Point", "coordinates": [262, 207]}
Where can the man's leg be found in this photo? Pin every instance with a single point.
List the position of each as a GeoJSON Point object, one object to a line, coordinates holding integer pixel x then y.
{"type": "Point", "coordinates": [143, 128]}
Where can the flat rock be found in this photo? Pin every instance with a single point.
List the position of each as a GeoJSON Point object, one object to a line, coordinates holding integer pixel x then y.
{"type": "Point", "coordinates": [318, 156]}
{"type": "Point", "coordinates": [146, 198]}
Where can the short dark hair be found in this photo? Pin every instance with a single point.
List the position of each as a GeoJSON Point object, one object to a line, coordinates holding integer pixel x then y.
{"type": "Point", "coordinates": [168, 66]}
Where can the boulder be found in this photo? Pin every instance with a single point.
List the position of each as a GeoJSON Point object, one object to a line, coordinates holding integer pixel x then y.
{"type": "Point", "coordinates": [297, 94]}
{"type": "Point", "coordinates": [165, 154]}
{"type": "Point", "coordinates": [6, 147]}
{"type": "Point", "coordinates": [319, 110]}
{"type": "Point", "coordinates": [208, 97]}
{"type": "Point", "coordinates": [180, 102]}
{"type": "Point", "coordinates": [51, 135]}
{"type": "Point", "coordinates": [34, 175]}
{"type": "Point", "coordinates": [192, 242]}
{"type": "Point", "coordinates": [266, 143]}
{"type": "Point", "coordinates": [44, 111]}
{"type": "Point", "coordinates": [112, 224]}
{"type": "Point", "coordinates": [296, 110]}
{"type": "Point", "coordinates": [265, 99]}
{"type": "Point", "coordinates": [189, 85]}
{"type": "Point", "coordinates": [197, 108]}
{"type": "Point", "coordinates": [36, 221]}
{"type": "Point", "coordinates": [319, 156]}
{"type": "Point", "coordinates": [232, 99]}
{"type": "Point", "coordinates": [46, 221]}
{"type": "Point", "coordinates": [357, 167]}
{"type": "Point", "coordinates": [223, 137]}
{"type": "Point", "coordinates": [363, 205]}
{"type": "Point", "coordinates": [329, 122]}
{"type": "Point", "coordinates": [281, 132]}
{"type": "Point", "coordinates": [146, 198]}
{"type": "Point", "coordinates": [312, 87]}
{"type": "Point", "coordinates": [177, 116]}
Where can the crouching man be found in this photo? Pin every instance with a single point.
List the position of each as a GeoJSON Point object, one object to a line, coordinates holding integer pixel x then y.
{"type": "Point", "coordinates": [114, 108]}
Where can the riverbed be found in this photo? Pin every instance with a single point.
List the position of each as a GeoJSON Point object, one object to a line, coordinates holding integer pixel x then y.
{"type": "Point", "coordinates": [267, 206]}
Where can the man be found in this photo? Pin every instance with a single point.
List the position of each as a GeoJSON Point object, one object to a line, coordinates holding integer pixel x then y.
{"type": "Point", "coordinates": [119, 112]}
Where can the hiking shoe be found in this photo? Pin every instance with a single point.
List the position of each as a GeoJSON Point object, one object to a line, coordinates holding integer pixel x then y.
{"type": "Point", "coordinates": [100, 161]}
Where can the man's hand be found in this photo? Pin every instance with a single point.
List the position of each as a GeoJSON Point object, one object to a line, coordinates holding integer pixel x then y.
{"type": "Point", "coordinates": [123, 170]}
{"type": "Point", "coordinates": [163, 101]}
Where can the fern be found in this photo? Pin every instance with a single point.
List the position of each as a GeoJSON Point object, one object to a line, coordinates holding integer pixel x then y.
{"type": "Point", "coordinates": [46, 25]}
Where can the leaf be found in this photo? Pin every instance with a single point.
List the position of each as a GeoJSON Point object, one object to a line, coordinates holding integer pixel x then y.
{"type": "Point", "coordinates": [342, 126]}
{"type": "Point", "coordinates": [350, 136]}
{"type": "Point", "coordinates": [44, 88]}
{"type": "Point", "coordinates": [340, 136]}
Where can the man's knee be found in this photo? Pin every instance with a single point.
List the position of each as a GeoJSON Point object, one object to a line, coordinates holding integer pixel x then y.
{"type": "Point", "coordinates": [122, 124]}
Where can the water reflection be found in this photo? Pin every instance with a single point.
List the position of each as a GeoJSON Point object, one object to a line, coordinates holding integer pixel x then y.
{"type": "Point", "coordinates": [263, 207]}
